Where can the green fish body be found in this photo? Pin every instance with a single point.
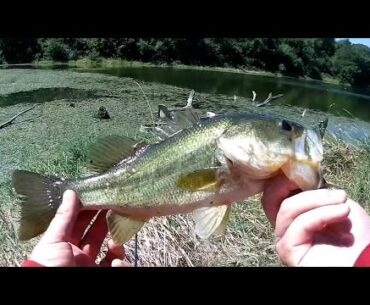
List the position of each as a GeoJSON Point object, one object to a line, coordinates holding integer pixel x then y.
{"type": "Point", "coordinates": [202, 169]}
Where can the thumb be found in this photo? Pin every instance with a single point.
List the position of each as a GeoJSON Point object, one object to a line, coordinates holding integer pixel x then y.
{"type": "Point", "coordinates": [277, 189]}
{"type": "Point", "coordinates": [60, 228]}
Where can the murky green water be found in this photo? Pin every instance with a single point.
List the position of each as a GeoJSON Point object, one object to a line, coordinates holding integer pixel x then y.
{"type": "Point", "coordinates": [335, 99]}
{"type": "Point", "coordinates": [43, 95]}
{"type": "Point", "coordinates": [348, 109]}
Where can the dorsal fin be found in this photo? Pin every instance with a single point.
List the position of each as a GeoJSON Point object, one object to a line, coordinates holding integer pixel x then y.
{"type": "Point", "coordinates": [163, 112]}
{"type": "Point", "coordinates": [322, 127]}
{"type": "Point", "coordinates": [109, 151]}
{"type": "Point", "coordinates": [186, 117]}
{"type": "Point", "coordinates": [172, 121]}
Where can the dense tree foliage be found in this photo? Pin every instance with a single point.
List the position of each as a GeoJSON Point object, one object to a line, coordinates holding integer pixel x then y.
{"type": "Point", "coordinates": [352, 63]}
{"type": "Point", "coordinates": [295, 57]}
{"type": "Point", "coordinates": [14, 50]}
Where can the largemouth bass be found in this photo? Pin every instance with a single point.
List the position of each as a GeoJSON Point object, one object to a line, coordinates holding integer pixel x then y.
{"type": "Point", "coordinates": [202, 169]}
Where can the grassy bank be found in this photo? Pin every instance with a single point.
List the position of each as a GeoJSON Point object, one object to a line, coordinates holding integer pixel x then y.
{"type": "Point", "coordinates": [53, 139]}
{"type": "Point", "coordinates": [87, 63]}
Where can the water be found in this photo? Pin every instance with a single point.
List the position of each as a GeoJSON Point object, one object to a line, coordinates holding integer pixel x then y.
{"type": "Point", "coordinates": [334, 99]}
{"type": "Point", "coordinates": [43, 95]}
{"type": "Point", "coordinates": [349, 108]}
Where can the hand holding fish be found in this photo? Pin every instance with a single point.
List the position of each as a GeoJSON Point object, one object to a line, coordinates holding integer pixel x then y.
{"type": "Point", "coordinates": [64, 243]}
{"type": "Point", "coordinates": [315, 228]}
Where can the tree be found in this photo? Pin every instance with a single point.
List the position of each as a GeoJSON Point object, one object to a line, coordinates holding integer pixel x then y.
{"type": "Point", "coordinates": [55, 49]}
{"type": "Point", "coordinates": [324, 50]}
{"type": "Point", "coordinates": [15, 50]}
{"type": "Point", "coordinates": [290, 56]}
{"type": "Point", "coordinates": [290, 63]}
{"type": "Point", "coordinates": [352, 64]}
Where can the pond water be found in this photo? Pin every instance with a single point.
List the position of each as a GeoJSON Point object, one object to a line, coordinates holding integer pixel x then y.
{"type": "Point", "coordinates": [43, 95]}
{"type": "Point", "coordinates": [316, 95]}
{"type": "Point", "coordinates": [348, 109]}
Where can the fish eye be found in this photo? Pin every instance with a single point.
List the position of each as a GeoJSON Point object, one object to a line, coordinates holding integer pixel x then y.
{"type": "Point", "coordinates": [286, 125]}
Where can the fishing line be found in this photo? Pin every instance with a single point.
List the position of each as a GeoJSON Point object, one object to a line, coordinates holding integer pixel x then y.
{"type": "Point", "coordinates": [150, 110]}
{"type": "Point", "coordinates": [136, 257]}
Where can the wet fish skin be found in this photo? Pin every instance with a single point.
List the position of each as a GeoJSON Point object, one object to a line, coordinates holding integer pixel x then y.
{"type": "Point", "coordinates": [230, 157]}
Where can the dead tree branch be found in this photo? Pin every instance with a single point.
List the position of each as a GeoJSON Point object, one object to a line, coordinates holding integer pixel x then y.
{"type": "Point", "coordinates": [190, 99]}
{"type": "Point", "coordinates": [266, 101]}
{"type": "Point", "coordinates": [10, 121]}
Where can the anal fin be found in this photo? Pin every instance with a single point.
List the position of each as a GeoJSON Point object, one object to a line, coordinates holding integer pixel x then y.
{"type": "Point", "coordinates": [122, 228]}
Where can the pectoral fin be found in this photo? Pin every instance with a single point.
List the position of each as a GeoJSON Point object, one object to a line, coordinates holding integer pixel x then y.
{"type": "Point", "coordinates": [202, 180]}
{"type": "Point", "coordinates": [223, 225]}
{"type": "Point", "coordinates": [209, 220]}
{"type": "Point", "coordinates": [122, 228]}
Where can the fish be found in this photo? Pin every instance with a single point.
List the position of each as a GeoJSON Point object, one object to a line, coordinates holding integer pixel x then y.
{"type": "Point", "coordinates": [202, 169]}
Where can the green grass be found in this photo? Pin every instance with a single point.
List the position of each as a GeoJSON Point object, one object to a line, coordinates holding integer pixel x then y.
{"type": "Point", "coordinates": [349, 167]}
{"type": "Point", "coordinates": [69, 163]}
{"type": "Point", "coordinates": [53, 139]}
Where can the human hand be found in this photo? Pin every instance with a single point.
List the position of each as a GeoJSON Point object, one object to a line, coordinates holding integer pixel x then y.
{"type": "Point", "coordinates": [65, 245]}
{"type": "Point", "coordinates": [315, 228]}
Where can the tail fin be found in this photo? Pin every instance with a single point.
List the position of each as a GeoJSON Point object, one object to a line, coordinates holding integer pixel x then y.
{"type": "Point", "coordinates": [41, 197]}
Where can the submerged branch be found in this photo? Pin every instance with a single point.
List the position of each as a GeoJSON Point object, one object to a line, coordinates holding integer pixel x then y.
{"type": "Point", "coordinates": [266, 101]}
{"type": "Point", "coordinates": [10, 121]}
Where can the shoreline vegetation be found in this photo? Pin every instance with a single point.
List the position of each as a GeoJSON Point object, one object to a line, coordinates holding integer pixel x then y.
{"type": "Point", "coordinates": [101, 63]}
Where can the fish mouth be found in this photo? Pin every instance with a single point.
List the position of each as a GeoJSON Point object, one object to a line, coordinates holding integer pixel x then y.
{"type": "Point", "coordinates": [304, 167]}
{"type": "Point", "coordinates": [308, 147]}
{"type": "Point", "coordinates": [306, 174]}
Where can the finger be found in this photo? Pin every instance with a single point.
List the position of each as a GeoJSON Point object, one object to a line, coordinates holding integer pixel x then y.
{"type": "Point", "coordinates": [83, 220]}
{"type": "Point", "coordinates": [120, 263]}
{"type": "Point", "coordinates": [115, 251]}
{"type": "Point", "coordinates": [337, 239]}
{"type": "Point", "coordinates": [94, 238]}
{"type": "Point", "coordinates": [114, 263]}
{"type": "Point", "coordinates": [303, 202]}
{"type": "Point", "coordinates": [277, 189]}
{"type": "Point", "coordinates": [60, 228]}
{"type": "Point", "coordinates": [299, 236]}
{"type": "Point", "coordinates": [343, 226]}
{"type": "Point", "coordinates": [81, 259]}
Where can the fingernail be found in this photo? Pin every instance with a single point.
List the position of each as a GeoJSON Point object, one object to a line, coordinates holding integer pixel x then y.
{"type": "Point", "coordinates": [67, 195]}
{"type": "Point", "coordinates": [343, 207]}
{"type": "Point", "coordinates": [118, 263]}
{"type": "Point", "coordinates": [340, 195]}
